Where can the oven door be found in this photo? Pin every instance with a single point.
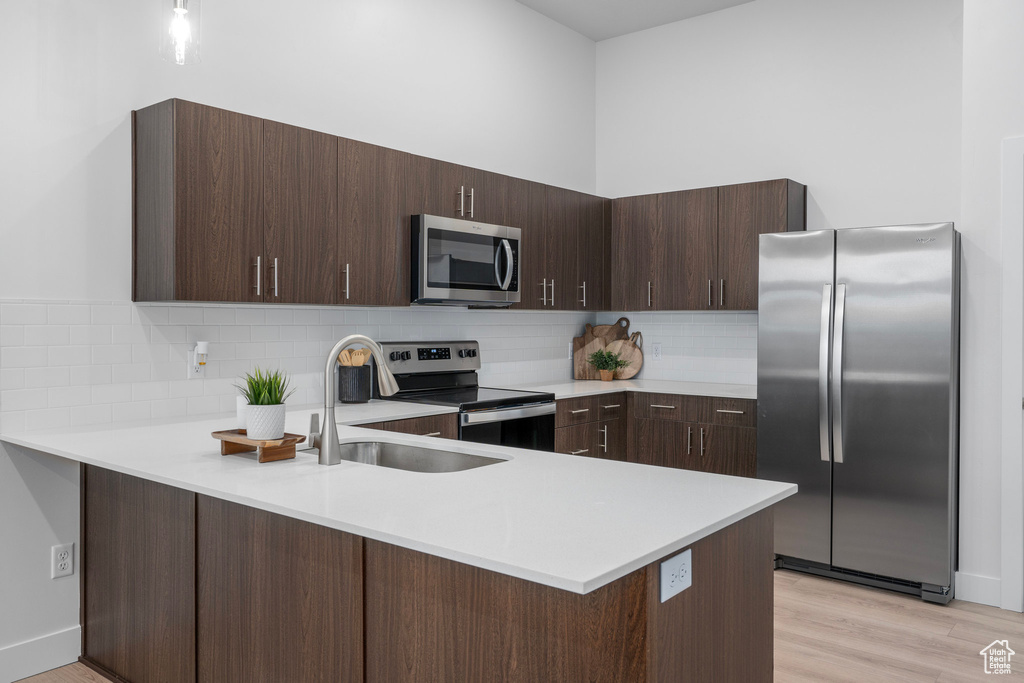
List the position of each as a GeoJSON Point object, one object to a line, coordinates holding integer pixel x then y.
{"type": "Point", "coordinates": [460, 261]}
{"type": "Point", "coordinates": [531, 427]}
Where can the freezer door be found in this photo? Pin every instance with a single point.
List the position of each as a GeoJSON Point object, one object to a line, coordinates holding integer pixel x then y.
{"type": "Point", "coordinates": [894, 397]}
{"type": "Point", "coordinates": [794, 315]}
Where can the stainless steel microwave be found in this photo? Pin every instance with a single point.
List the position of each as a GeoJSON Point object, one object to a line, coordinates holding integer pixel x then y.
{"type": "Point", "coordinates": [464, 263]}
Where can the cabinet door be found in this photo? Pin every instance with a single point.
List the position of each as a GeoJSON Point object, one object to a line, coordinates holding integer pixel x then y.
{"type": "Point", "coordinates": [729, 450]}
{"type": "Point", "coordinates": [449, 194]}
{"type": "Point", "coordinates": [561, 222]}
{"type": "Point", "coordinates": [612, 440]}
{"type": "Point", "coordinates": [633, 226]}
{"type": "Point", "coordinates": [533, 262]}
{"type": "Point", "coordinates": [578, 440]}
{"type": "Point", "coordinates": [300, 183]}
{"type": "Point", "coordinates": [441, 426]}
{"type": "Point", "coordinates": [372, 247]}
{"type": "Point", "coordinates": [744, 212]}
{"type": "Point", "coordinates": [487, 197]}
{"type": "Point", "coordinates": [138, 577]}
{"type": "Point", "coordinates": [218, 207]}
{"type": "Point", "coordinates": [592, 253]}
{"type": "Point", "coordinates": [659, 442]}
{"type": "Point", "coordinates": [684, 277]}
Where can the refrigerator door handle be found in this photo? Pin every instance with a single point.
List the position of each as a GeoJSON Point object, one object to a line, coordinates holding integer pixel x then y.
{"type": "Point", "coordinates": [826, 323]}
{"type": "Point", "coordinates": [837, 375]}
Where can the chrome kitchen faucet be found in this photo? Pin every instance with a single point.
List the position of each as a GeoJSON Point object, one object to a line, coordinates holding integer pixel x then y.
{"type": "Point", "coordinates": [327, 441]}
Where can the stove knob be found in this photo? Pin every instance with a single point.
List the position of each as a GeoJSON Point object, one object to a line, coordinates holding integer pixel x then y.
{"type": "Point", "coordinates": [395, 355]}
{"type": "Point", "coordinates": [472, 353]}
{"type": "Point", "coordinates": [406, 355]}
{"type": "Point", "coordinates": [463, 353]}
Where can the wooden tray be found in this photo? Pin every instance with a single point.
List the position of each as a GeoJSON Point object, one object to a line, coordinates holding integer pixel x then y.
{"type": "Point", "coordinates": [235, 441]}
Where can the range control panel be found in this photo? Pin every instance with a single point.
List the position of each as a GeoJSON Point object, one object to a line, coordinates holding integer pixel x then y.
{"type": "Point", "coordinates": [422, 357]}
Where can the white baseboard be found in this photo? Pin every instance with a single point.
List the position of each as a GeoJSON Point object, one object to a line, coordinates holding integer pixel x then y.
{"type": "Point", "coordinates": [35, 656]}
{"type": "Point", "coordinates": [986, 590]}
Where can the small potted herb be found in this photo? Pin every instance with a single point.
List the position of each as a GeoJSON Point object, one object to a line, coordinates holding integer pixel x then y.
{"type": "Point", "coordinates": [266, 393]}
{"type": "Point", "coordinates": [606, 363]}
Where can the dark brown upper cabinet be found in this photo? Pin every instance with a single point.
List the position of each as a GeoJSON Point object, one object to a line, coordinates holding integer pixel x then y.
{"type": "Point", "coordinates": [373, 244]}
{"type": "Point", "coordinates": [198, 222]}
{"type": "Point", "coordinates": [697, 249]}
{"type": "Point", "coordinates": [300, 215]}
{"type": "Point", "coordinates": [592, 253]}
{"type": "Point", "coordinates": [744, 212]}
{"type": "Point", "coordinates": [468, 193]}
{"type": "Point", "coordinates": [548, 254]}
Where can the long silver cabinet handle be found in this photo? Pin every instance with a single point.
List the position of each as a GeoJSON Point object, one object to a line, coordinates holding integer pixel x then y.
{"type": "Point", "coordinates": [462, 200]}
{"type": "Point", "coordinates": [432, 434]}
{"type": "Point", "coordinates": [826, 324]}
{"type": "Point", "coordinates": [259, 273]}
{"type": "Point", "coordinates": [584, 299]}
{"type": "Point", "coordinates": [346, 280]}
{"type": "Point", "coordinates": [721, 292]}
{"type": "Point", "coordinates": [581, 410]}
{"type": "Point", "coordinates": [709, 294]}
{"type": "Point", "coordinates": [614, 405]}
{"type": "Point", "coordinates": [689, 439]}
{"type": "Point", "coordinates": [649, 288]}
{"type": "Point", "coordinates": [275, 278]}
{"type": "Point", "coordinates": [702, 442]}
{"type": "Point", "coordinates": [552, 291]}
{"type": "Point", "coordinates": [472, 195]}
{"type": "Point", "coordinates": [837, 375]}
{"type": "Point", "coordinates": [604, 444]}
{"type": "Point", "coordinates": [585, 450]}
{"type": "Point", "coordinates": [731, 412]}
{"type": "Point", "coordinates": [544, 291]}
{"type": "Point", "coordinates": [655, 405]}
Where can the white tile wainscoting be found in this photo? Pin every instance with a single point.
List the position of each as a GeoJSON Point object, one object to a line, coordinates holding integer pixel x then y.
{"type": "Point", "coordinates": [68, 363]}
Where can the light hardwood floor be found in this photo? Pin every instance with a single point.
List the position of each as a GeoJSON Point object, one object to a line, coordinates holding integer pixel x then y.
{"type": "Point", "coordinates": [832, 631]}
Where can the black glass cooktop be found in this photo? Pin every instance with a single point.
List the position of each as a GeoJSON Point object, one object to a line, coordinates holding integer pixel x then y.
{"type": "Point", "coordinates": [476, 398]}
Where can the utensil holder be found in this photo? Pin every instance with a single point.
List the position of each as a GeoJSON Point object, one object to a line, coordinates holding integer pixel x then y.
{"type": "Point", "coordinates": [354, 383]}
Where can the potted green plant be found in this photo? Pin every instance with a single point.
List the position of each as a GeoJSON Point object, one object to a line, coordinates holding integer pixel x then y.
{"type": "Point", "coordinates": [266, 393]}
{"type": "Point", "coordinates": [606, 363]}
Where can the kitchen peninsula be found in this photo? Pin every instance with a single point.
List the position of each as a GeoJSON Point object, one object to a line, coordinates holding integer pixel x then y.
{"type": "Point", "coordinates": [199, 567]}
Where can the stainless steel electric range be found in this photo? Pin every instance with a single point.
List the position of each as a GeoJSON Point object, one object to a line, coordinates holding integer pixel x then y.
{"type": "Point", "coordinates": [445, 374]}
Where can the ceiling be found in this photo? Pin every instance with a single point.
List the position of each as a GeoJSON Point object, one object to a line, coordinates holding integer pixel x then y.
{"type": "Point", "coordinates": [601, 19]}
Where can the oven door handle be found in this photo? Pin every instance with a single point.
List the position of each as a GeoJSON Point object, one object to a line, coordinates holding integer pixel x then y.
{"type": "Point", "coordinates": [505, 414]}
{"type": "Point", "coordinates": [504, 282]}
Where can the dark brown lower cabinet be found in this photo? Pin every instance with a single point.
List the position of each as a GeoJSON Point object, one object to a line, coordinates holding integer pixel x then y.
{"type": "Point", "coordinates": [431, 619]}
{"type": "Point", "coordinates": [181, 587]}
{"type": "Point", "coordinates": [279, 599]}
{"type": "Point", "coordinates": [138, 587]}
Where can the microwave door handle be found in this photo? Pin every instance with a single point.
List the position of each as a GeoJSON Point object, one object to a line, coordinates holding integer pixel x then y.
{"type": "Point", "coordinates": [508, 265]}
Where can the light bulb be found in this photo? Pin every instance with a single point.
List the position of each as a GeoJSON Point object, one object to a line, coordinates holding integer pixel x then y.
{"type": "Point", "coordinates": [181, 33]}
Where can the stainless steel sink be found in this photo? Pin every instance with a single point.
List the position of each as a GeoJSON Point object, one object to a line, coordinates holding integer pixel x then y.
{"type": "Point", "coordinates": [412, 458]}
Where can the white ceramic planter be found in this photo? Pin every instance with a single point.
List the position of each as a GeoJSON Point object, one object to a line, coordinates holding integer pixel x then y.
{"type": "Point", "coordinates": [265, 423]}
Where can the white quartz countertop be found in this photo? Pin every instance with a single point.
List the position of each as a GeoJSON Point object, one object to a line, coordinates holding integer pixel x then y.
{"type": "Point", "coordinates": [565, 521]}
{"type": "Point", "coordinates": [577, 388]}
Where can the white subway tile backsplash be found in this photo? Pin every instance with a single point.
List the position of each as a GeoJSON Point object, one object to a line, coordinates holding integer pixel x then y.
{"type": "Point", "coordinates": [82, 363]}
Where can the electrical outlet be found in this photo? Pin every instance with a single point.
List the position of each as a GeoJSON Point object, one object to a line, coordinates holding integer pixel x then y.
{"type": "Point", "coordinates": [62, 560]}
{"type": "Point", "coordinates": [676, 575]}
{"type": "Point", "coordinates": [570, 350]}
{"type": "Point", "coordinates": [656, 351]}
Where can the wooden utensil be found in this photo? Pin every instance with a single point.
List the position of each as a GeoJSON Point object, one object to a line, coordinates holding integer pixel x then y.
{"type": "Point", "coordinates": [345, 357]}
{"type": "Point", "coordinates": [629, 350]}
{"type": "Point", "coordinates": [360, 356]}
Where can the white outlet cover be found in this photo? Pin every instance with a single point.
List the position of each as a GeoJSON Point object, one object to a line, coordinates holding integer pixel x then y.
{"type": "Point", "coordinates": [676, 575]}
{"type": "Point", "coordinates": [62, 560]}
{"type": "Point", "coordinates": [656, 351]}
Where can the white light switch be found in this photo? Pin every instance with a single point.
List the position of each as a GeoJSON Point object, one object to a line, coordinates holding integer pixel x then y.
{"type": "Point", "coordinates": [675, 575]}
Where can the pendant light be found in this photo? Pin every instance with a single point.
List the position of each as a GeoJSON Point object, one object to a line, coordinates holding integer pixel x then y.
{"type": "Point", "coordinates": [180, 43]}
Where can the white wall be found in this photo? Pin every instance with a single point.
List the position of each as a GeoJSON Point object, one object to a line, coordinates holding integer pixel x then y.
{"type": "Point", "coordinates": [993, 109]}
{"type": "Point", "coordinates": [858, 100]}
{"type": "Point", "coordinates": [487, 83]}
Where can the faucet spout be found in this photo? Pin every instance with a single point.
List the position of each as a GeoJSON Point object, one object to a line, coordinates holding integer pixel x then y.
{"type": "Point", "coordinates": [330, 450]}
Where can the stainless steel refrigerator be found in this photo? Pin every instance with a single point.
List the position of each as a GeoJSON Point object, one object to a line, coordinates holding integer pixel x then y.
{"type": "Point", "coordinates": [857, 383]}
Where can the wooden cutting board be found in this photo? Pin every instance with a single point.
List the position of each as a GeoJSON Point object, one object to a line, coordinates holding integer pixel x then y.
{"type": "Point", "coordinates": [629, 350]}
{"type": "Point", "coordinates": [618, 330]}
{"type": "Point", "coordinates": [582, 347]}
